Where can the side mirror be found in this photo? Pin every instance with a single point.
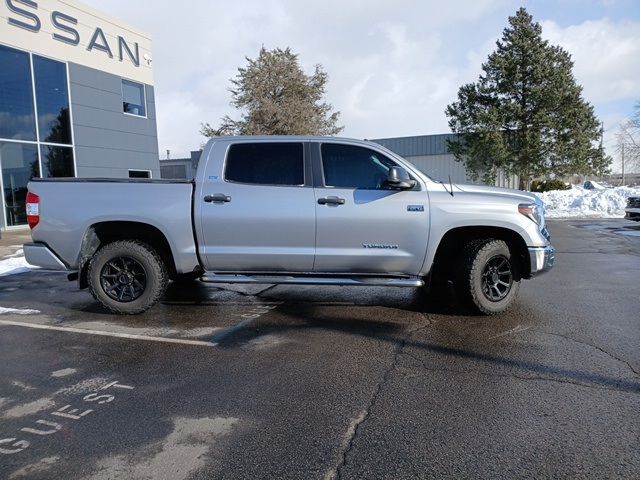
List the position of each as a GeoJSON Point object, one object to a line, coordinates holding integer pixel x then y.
{"type": "Point", "coordinates": [399, 178]}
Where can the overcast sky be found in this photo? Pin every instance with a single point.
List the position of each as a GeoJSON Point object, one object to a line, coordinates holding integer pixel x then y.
{"type": "Point", "coordinates": [393, 65]}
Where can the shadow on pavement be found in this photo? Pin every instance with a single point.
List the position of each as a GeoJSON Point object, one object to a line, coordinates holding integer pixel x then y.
{"type": "Point", "coordinates": [304, 318]}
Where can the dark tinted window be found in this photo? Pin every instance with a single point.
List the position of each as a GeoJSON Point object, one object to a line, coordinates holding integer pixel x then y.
{"type": "Point", "coordinates": [266, 163]}
{"type": "Point", "coordinates": [139, 174]}
{"type": "Point", "coordinates": [17, 118]}
{"type": "Point", "coordinates": [52, 99]}
{"type": "Point", "coordinates": [56, 161]}
{"type": "Point", "coordinates": [349, 166]}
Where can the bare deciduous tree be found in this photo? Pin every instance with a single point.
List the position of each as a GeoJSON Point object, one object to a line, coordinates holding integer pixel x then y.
{"type": "Point", "coordinates": [628, 143]}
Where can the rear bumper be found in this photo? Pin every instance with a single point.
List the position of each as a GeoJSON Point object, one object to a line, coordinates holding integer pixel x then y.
{"type": "Point", "coordinates": [541, 259]}
{"type": "Point", "coordinates": [40, 255]}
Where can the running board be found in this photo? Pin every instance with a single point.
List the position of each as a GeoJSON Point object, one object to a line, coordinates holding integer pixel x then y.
{"type": "Point", "coordinates": [290, 280]}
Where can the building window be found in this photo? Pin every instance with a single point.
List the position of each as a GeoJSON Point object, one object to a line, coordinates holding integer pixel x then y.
{"type": "Point", "coordinates": [52, 101]}
{"type": "Point", "coordinates": [56, 161]}
{"type": "Point", "coordinates": [17, 115]}
{"type": "Point", "coordinates": [139, 173]}
{"type": "Point", "coordinates": [265, 163]}
{"type": "Point", "coordinates": [19, 165]}
{"type": "Point", "coordinates": [35, 127]}
{"type": "Point", "coordinates": [133, 98]}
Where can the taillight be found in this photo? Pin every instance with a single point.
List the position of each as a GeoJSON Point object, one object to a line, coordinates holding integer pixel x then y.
{"type": "Point", "coordinates": [33, 209]}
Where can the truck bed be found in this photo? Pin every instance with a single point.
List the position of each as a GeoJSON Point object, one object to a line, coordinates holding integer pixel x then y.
{"type": "Point", "coordinates": [69, 207]}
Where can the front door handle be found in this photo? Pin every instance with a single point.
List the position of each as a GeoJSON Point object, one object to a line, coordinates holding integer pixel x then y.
{"type": "Point", "coordinates": [331, 201]}
{"type": "Point", "coordinates": [217, 198]}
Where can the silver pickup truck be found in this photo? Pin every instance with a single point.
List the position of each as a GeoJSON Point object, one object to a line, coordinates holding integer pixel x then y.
{"type": "Point", "coordinates": [289, 210]}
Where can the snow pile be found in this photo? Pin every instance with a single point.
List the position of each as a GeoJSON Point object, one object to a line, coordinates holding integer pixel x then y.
{"type": "Point", "coordinates": [15, 264]}
{"type": "Point", "coordinates": [580, 202]}
{"type": "Point", "coordinates": [11, 265]}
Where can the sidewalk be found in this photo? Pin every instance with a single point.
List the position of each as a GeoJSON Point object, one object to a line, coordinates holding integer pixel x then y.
{"type": "Point", "coordinates": [12, 241]}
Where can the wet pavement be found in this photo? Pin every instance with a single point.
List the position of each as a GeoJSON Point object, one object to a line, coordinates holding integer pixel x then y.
{"type": "Point", "coordinates": [330, 382]}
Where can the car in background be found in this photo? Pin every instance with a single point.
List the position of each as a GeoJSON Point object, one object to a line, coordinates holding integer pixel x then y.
{"type": "Point", "coordinates": [592, 185]}
{"type": "Point", "coordinates": [632, 212]}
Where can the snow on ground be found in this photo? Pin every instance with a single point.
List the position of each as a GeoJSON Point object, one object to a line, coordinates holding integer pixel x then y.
{"type": "Point", "coordinates": [15, 263]}
{"type": "Point", "coordinates": [582, 203]}
{"type": "Point", "coordinates": [11, 265]}
{"type": "Point", "coordinates": [18, 311]}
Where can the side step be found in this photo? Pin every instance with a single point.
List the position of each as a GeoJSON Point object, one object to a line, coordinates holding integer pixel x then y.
{"type": "Point", "coordinates": [309, 280]}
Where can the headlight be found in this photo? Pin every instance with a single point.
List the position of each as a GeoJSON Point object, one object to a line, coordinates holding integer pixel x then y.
{"type": "Point", "coordinates": [531, 211]}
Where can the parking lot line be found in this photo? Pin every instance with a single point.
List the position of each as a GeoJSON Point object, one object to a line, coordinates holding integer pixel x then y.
{"type": "Point", "coordinates": [107, 334]}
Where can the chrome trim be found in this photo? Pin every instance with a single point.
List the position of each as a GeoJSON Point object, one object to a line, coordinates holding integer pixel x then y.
{"type": "Point", "coordinates": [541, 259]}
{"type": "Point", "coordinates": [291, 280]}
{"type": "Point", "coordinates": [40, 255]}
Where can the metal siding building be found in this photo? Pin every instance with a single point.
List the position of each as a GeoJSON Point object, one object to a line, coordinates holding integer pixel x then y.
{"type": "Point", "coordinates": [430, 154]}
{"type": "Point", "coordinates": [109, 143]}
{"type": "Point", "coordinates": [181, 168]}
{"type": "Point", "coordinates": [76, 98]}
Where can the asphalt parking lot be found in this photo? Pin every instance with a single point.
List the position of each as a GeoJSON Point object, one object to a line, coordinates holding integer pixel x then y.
{"type": "Point", "coordinates": [330, 382]}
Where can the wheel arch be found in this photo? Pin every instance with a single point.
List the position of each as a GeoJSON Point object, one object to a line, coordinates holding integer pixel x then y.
{"type": "Point", "coordinates": [102, 233]}
{"type": "Point", "coordinates": [453, 241]}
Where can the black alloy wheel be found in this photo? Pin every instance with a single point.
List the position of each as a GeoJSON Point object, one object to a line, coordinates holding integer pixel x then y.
{"type": "Point", "coordinates": [487, 276]}
{"type": "Point", "coordinates": [497, 278]}
{"type": "Point", "coordinates": [123, 279]}
{"type": "Point", "coordinates": [127, 276]}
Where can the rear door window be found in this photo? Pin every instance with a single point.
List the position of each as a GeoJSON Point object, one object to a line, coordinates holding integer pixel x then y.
{"type": "Point", "coordinates": [265, 164]}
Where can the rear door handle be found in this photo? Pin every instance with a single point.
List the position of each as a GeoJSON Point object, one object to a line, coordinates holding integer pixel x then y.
{"type": "Point", "coordinates": [331, 201]}
{"type": "Point", "coordinates": [217, 198]}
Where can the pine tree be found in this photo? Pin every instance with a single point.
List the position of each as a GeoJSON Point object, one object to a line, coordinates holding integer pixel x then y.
{"type": "Point", "coordinates": [526, 114]}
{"type": "Point", "coordinates": [276, 97]}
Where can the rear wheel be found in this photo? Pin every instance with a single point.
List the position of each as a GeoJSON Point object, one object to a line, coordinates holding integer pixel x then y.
{"type": "Point", "coordinates": [127, 277]}
{"type": "Point", "coordinates": [488, 277]}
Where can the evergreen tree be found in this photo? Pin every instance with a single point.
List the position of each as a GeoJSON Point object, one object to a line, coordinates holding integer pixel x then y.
{"type": "Point", "coordinates": [276, 97]}
{"type": "Point", "coordinates": [526, 115]}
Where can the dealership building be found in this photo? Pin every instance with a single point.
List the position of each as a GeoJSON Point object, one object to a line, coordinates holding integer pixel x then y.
{"type": "Point", "coordinates": [76, 98]}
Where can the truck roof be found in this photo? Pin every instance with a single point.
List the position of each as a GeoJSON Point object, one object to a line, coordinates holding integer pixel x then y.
{"type": "Point", "coordinates": [308, 138]}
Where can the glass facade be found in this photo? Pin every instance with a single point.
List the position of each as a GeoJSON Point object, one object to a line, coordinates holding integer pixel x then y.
{"type": "Point", "coordinates": [52, 100]}
{"type": "Point", "coordinates": [17, 117]}
{"type": "Point", "coordinates": [35, 126]}
{"type": "Point", "coordinates": [19, 165]}
{"type": "Point", "coordinates": [56, 161]}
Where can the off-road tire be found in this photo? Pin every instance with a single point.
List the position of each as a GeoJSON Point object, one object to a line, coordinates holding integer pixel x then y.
{"type": "Point", "coordinates": [154, 269]}
{"type": "Point", "coordinates": [477, 259]}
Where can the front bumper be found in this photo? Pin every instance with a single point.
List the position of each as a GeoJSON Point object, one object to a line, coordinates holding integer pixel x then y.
{"type": "Point", "coordinates": [632, 213]}
{"type": "Point", "coordinates": [541, 259]}
{"type": "Point", "coordinates": [40, 255]}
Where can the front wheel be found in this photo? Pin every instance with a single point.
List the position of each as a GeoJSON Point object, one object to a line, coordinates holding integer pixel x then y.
{"type": "Point", "coordinates": [488, 277]}
{"type": "Point", "coordinates": [127, 277]}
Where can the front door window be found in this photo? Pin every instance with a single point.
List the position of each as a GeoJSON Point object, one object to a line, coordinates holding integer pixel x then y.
{"type": "Point", "coordinates": [350, 166]}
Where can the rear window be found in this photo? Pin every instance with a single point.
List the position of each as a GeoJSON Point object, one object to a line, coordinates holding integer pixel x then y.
{"type": "Point", "coordinates": [265, 163]}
